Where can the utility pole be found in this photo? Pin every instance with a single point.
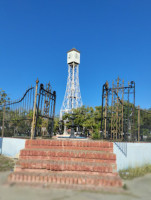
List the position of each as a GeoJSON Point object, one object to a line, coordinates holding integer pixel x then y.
{"type": "Point", "coordinates": [122, 131]}
{"type": "Point", "coordinates": [138, 124]}
{"type": "Point", "coordinates": [3, 121]}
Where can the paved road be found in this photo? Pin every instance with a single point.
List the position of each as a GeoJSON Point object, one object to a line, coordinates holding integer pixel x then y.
{"type": "Point", "coordinates": [139, 188]}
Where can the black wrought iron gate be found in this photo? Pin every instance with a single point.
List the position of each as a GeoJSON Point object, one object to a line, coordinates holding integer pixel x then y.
{"type": "Point", "coordinates": [16, 116]}
{"type": "Point", "coordinates": [32, 115]}
{"type": "Point", "coordinates": [45, 111]}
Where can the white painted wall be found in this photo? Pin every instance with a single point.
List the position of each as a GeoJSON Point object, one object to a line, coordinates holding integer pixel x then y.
{"type": "Point", "coordinates": [11, 146]}
{"type": "Point", "coordinates": [138, 154]}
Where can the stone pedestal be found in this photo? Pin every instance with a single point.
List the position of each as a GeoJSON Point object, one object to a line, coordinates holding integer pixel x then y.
{"type": "Point", "coordinates": [65, 127]}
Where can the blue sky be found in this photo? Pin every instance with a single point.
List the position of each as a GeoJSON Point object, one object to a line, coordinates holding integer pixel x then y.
{"type": "Point", "coordinates": [114, 38]}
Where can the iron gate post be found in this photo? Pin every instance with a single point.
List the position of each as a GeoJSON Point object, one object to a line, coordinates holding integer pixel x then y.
{"type": "Point", "coordinates": [34, 112]}
{"type": "Point", "coordinates": [102, 111]}
{"type": "Point", "coordinates": [54, 94]}
{"type": "Point", "coordinates": [37, 114]}
{"type": "Point", "coordinates": [133, 112]}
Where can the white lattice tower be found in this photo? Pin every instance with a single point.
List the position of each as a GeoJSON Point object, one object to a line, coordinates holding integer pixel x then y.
{"type": "Point", "coordinates": [72, 98]}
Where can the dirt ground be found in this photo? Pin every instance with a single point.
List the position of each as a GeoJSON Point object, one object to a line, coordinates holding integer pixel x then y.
{"type": "Point", "coordinates": [138, 188]}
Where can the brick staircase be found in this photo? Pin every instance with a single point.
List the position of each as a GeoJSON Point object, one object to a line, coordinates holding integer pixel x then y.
{"type": "Point", "coordinates": [67, 163]}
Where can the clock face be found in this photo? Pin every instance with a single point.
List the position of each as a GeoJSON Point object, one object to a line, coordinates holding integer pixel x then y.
{"type": "Point", "coordinates": [70, 55]}
{"type": "Point", "coordinates": [76, 55]}
{"type": "Point", "coordinates": [73, 57]}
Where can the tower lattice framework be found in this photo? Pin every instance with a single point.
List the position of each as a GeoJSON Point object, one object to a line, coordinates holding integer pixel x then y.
{"type": "Point", "coordinates": [72, 98]}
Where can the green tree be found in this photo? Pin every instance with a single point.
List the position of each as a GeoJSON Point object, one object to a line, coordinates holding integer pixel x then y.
{"type": "Point", "coordinates": [3, 97]}
{"type": "Point", "coordinates": [88, 118]}
{"type": "Point", "coordinates": [56, 124]}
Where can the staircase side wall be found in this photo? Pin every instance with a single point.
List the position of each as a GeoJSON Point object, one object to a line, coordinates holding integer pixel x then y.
{"type": "Point", "coordinates": [11, 146]}
{"type": "Point", "coordinates": [138, 154]}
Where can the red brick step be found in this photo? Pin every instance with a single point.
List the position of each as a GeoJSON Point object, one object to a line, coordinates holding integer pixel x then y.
{"type": "Point", "coordinates": [65, 179]}
{"type": "Point", "coordinates": [49, 154]}
{"type": "Point", "coordinates": [67, 166]}
{"type": "Point", "coordinates": [70, 144]}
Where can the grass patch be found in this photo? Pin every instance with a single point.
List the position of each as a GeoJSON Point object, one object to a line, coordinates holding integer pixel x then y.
{"type": "Point", "coordinates": [131, 173]}
{"type": "Point", "coordinates": [6, 163]}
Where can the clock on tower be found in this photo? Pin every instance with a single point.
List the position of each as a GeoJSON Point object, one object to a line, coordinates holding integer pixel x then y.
{"type": "Point", "coordinates": [73, 56]}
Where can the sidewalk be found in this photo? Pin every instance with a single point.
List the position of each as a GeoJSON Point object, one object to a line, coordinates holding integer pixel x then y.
{"type": "Point", "coordinates": [138, 188]}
